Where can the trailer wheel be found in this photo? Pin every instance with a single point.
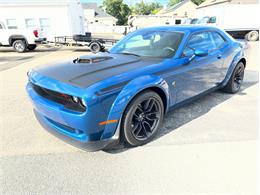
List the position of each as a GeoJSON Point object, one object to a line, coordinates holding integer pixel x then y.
{"type": "Point", "coordinates": [252, 36]}
{"type": "Point", "coordinates": [95, 47]}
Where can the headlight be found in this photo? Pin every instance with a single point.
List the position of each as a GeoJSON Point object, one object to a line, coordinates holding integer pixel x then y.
{"type": "Point", "coordinates": [83, 103]}
{"type": "Point", "coordinates": [79, 101]}
{"type": "Point", "coordinates": [75, 99]}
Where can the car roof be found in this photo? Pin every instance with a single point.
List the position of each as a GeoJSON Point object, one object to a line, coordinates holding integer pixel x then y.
{"type": "Point", "coordinates": [182, 28]}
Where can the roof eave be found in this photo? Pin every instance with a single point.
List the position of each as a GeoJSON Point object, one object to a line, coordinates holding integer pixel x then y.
{"type": "Point", "coordinates": [215, 3]}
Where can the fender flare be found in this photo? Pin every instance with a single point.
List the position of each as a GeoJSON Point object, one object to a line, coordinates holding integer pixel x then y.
{"type": "Point", "coordinates": [127, 94]}
{"type": "Point", "coordinates": [238, 57]}
{"type": "Point", "coordinates": [16, 37]}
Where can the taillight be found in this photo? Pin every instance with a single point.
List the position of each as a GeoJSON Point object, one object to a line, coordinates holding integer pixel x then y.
{"type": "Point", "coordinates": [35, 32]}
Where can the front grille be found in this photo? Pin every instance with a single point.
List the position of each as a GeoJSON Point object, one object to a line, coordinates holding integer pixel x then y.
{"type": "Point", "coordinates": [57, 97]}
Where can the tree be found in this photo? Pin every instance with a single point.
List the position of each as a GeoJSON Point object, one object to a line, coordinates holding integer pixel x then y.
{"type": "Point", "coordinates": [173, 2]}
{"type": "Point", "coordinates": [198, 2]}
{"type": "Point", "coordinates": [118, 9]}
{"type": "Point", "coordinates": [146, 8]}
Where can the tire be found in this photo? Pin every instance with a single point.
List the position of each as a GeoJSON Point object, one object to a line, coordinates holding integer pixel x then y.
{"type": "Point", "coordinates": [95, 47]}
{"type": "Point", "coordinates": [252, 36]}
{"type": "Point", "coordinates": [31, 47]}
{"type": "Point", "coordinates": [19, 46]}
{"type": "Point", "coordinates": [236, 79]}
{"type": "Point", "coordinates": [142, 119]}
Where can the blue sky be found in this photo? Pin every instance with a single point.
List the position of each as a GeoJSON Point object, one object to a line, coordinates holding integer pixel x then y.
{"type": "Point", "coordinates": [129, 2]}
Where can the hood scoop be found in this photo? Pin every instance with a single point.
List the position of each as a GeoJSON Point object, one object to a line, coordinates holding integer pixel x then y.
{"type": "Point", "coordinates": [91, 60]}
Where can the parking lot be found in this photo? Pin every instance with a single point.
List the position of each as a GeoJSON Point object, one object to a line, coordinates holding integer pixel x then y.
{"type": "Point", "coordinates": [207, 147]}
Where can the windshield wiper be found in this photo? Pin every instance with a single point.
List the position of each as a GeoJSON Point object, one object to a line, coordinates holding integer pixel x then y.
{"type": "Point", "coordinates": [126, 53]}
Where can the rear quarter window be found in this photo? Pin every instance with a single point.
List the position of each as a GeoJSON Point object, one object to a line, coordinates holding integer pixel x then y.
{"type": "Point", "coordinates": [218, 39]}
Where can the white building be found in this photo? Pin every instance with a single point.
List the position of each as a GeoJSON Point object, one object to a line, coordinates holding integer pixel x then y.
{"type": "Point", "coordinates": [95, 15]}
{"type": "Point", "coordinates": [184, 8]}
{"type": "Point", "coordinates": [171, 15]}
{"type": "Point", "coordinates": [98, 22]}
{"type": "Point", "coordinates": [52, 17]}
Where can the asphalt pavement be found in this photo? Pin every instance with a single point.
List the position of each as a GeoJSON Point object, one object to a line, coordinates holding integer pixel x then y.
{"type": "Point", "coordinates": [206, 147]}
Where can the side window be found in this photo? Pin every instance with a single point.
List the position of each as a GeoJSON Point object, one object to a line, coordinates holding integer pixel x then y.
{"type": "Point", "coordinates": [11, 24]}
{"type": "Point", "coordinates": [218, 39]}
{"type": "Point", "coordinates": [202, 41]}
{"type": "Point", "coordinates": [45, 24]}
{"type": "Point", "coordinates": [177, 21]}
{"type": "Point", "coordinates": [30, 23]}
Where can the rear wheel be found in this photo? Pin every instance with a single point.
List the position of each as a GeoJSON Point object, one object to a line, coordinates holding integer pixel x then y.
{"type": "Point", "coordinates": [236, 79]}
{"type": "Point", "coordinates": [19, 46]}
{"type": "Point", "coordinates": [31, 47]}
{"type": "Point", "coordinates": [142, 118]}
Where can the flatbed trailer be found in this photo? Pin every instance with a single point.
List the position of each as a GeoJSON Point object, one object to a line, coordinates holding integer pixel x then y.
{"type": "Point", "coordinates": [250, 34]}
{"type": "Point", "coordinates": [95, 44]}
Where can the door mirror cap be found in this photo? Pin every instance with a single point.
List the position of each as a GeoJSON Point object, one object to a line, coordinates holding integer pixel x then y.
{"type": "Point", "coordinates": [197, 52]}
{"type": "Point", "coordinates": [200, 52]}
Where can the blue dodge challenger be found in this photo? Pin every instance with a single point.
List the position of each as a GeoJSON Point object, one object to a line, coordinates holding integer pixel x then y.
{"type": "Point", "coordinates": [123, 94]}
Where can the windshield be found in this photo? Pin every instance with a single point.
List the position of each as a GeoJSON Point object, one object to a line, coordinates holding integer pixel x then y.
{"type": "Point", "coordinates": [149, 44]}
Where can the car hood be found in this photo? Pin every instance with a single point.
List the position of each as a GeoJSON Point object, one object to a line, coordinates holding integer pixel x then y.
{"type": "Point", "coordinates": [87, 70]}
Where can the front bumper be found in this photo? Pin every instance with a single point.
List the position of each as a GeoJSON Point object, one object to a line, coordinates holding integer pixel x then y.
{"type": "Point", "coordinates": [85, 145]}
{"type": "Point", "coordinates": [77, 129]}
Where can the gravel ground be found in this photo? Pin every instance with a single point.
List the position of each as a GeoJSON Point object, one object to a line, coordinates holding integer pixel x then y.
{"type": "Point", "coordinates": [207, 147]}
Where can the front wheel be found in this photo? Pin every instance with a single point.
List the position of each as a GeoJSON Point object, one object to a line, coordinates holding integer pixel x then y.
{"type": "Point", "coordinates": [236, 79]}
{"type": "Point", "coordinates": [142, 118]}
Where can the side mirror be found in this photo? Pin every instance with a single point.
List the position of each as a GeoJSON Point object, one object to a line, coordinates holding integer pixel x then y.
{"type": "Point", "coordinates": [199, 53]}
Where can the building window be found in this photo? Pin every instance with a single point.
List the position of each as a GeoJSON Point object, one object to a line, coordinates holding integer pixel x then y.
{"type": "Point", "coordinates": [30, 23]}
{"type": "Point", "coordinates": [45, 24]}
{"type": "Point", "coordinates": [177, 21]}
{"type": "Point", "coordinates": [11, 24]}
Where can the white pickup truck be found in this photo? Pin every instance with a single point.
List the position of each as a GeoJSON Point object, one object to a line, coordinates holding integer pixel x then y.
{"type": "Point", "coordinates": [21, 40]}
{"type": "Point", "coordinates": [239, 20]}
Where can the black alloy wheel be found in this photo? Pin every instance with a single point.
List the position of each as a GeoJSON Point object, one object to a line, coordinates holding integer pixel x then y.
{"type": "Point", "coordinates": [142, 118]}
{"type": "Point", "coordinates": [145, 118]}
{"type": "Point", "coordinates": [236, 80]}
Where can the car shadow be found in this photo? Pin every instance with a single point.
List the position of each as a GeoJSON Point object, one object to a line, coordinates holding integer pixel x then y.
{"type": "Point", "coordinates": [183, 115]}
{"type": "Point", "coordinates": [37, 50]}
{"type": "Point", "coordinates": [81, 50]}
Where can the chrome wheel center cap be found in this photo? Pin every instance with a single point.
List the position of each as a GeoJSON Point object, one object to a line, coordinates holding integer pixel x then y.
{"type": "Point", "coordinates": [141, 117]}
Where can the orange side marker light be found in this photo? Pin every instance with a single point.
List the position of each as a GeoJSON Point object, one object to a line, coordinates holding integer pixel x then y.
{"type": "Point", "coordinates": [108, 122]}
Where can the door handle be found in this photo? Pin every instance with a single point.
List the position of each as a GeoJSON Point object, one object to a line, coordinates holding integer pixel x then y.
{"type": "Point", "coordinates": [219, 56]}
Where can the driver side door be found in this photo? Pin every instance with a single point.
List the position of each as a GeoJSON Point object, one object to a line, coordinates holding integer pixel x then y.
{"type": "Point", "coordinates": [201, 73]}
